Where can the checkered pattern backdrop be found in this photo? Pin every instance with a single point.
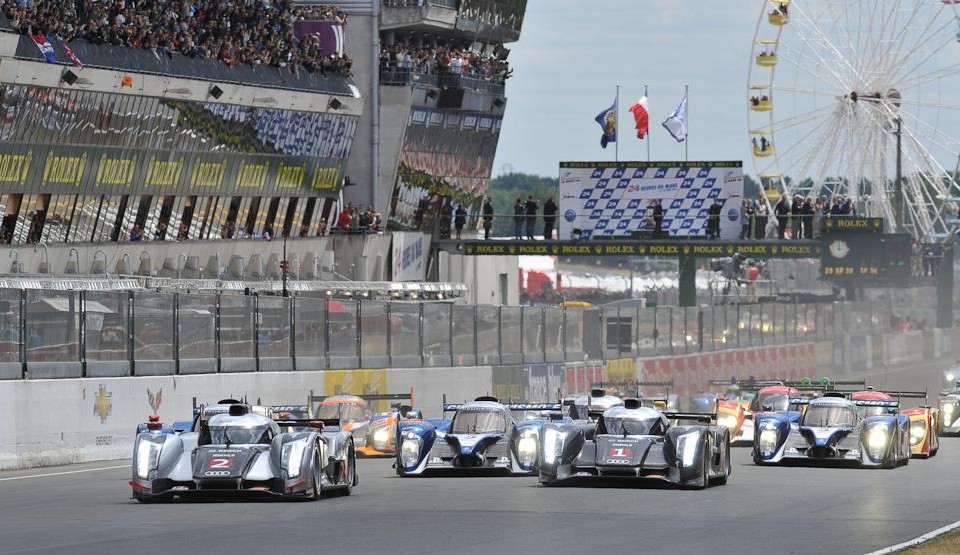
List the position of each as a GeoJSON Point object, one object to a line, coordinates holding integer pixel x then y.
{"type": "Point", "coordinates": [611, 199]}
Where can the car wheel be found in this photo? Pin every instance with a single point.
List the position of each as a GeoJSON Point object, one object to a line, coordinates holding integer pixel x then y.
{"type": "Point", "coordinates": [351, 477]}
{"type": "Point", "coordinates": [547, 481]}
{"type": "Point", "coordinates": [316, 476]}
{"type": "Point", "coordinates": [727, 466]}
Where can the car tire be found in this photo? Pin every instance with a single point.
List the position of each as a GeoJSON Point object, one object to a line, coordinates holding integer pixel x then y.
{"type": "Point", "coordinates": [727, 466]}
{"type": "Point", "coordinates": [148, 499]}
{"type": "Point", "coordinates": [316, 476]}
{"type": "Point", "coordinates": [351, 470]}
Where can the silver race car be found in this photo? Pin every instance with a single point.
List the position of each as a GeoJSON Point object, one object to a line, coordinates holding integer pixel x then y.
{"type": "Point", "coordinates": [235, 448]}
{"type": "Point", "coordinates": [628, 441]}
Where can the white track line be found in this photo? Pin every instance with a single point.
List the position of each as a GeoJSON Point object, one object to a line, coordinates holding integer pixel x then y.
{"type": "Point", "coordinates": [63, 473]}
{"type": "Point", "coordinates": [918, 540]}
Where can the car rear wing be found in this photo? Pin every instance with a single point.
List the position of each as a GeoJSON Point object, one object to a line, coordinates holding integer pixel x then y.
{"type": "Point", "coordinates": [704, 417]}
{"type": "Point", "coordinates": [316, 423]}
{"type": "Point", "coordinates": [557, 407]}
{"type": "Point", "coordinates": [858, 402]}
{"type": "Point", "coordinates": [370, 397]}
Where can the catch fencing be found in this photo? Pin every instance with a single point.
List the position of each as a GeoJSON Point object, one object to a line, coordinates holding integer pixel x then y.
{"type": "Point", "coordinates": [68, 334]}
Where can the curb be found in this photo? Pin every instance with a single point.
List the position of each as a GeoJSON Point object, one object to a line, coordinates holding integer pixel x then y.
{"type": "Point", "coordinates": [918, 540]}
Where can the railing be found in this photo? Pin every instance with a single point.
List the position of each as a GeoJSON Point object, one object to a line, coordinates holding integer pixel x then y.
{"type": "Point", "coordinates": [452, 4]}
{"type": "Point", "coordinates": [62, 334]}
{"type": "Point", "coordinates": [393, 75]}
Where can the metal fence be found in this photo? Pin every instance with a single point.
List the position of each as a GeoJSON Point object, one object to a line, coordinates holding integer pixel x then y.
{"type": "Point", "coordinates": [61, 334]}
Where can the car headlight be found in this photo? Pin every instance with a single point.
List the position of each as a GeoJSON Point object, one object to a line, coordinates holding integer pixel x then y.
{"type": "Point", "coordinates": [148, 456]}
{"type": "Point", "coordinates": [527, 449]}
{"type": "Point", "coordinates": [381, 439]}
{"type": "Point", "coordinates": [687, 448]}
{"type": "Point", "coordinates": [951, 376]}
{"type": "Point", "coordinates": [877, 441]}
{"type": "Point", "coordinates": [767, 442]}
{"type": "Point", "coordinates": [948, 410]}
{"type": "Point", "coordinates": [291, 457]}
{"type": "Point", "coordinates": [410, 450]}
{"type": "Point", "coordinates": [729, 422]}
{"type": "Point", "coordinates": [552, 445]}
{"type": "Point", "coordinates": [918, 429]}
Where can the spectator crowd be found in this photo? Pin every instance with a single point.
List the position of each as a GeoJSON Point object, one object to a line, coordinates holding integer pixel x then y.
{"type": "Point", "coordinates": [255, 32]}
{"type": "Point", "coordinates": [444, 60]}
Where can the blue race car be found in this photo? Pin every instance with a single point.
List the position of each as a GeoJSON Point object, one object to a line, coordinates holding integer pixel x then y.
{"type": "Point", "coordinates": [833, 430]}
{"type": "Point", "coordinates": [484, 436]}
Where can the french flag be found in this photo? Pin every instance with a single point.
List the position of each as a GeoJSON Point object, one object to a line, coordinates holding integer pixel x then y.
{"type": "Point", "coordinates": [70, 54]}
{"type": "Point", "coordinates": [641, 115]}
{"type": "Point", "coordinates": [43, 43]}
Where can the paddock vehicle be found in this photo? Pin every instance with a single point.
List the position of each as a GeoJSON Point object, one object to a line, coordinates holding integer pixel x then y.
{"type": "Point", "coordinates": [234, 448]}
{"type": "Point", "coordinates": [633, 442]}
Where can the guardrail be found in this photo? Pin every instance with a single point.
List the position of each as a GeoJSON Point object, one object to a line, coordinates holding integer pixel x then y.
{"type": "Point", "coordinates": [64, 334]}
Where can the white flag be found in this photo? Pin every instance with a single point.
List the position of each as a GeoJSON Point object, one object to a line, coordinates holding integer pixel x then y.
{"type": "Point", "coordinates": [676, 124]}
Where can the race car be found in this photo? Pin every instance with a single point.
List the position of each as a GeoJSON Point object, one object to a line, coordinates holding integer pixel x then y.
{"type": "Point", "coordinates": [833, 430]}
{"type": "Point", "coordinates": [372, 432]}
{"type": "Point", "coordinates": [730, 413]}
{"type": "Point", "coordinates": [633, 442]}
{"type": "Point", "coordinates": [951, 377]}
{"type": "Point", "coordinates": [235, 448]}
{"type": "Point", "coordinates": [924, 430]}
{"type": "Point", "coordinates": [484, 436]}
{"type": "Point", "coordinates": [949, 423]}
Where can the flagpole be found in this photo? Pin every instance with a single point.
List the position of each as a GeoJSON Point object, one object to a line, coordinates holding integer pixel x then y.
{"type": "Point", "coordinates": [686, 142]}
{"type": "Point", "coordinates": [646, 94]}
{"type": "Point", "coordinates": [616, 126]}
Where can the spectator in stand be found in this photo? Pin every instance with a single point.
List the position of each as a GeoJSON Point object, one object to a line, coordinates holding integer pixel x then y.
{"type": "Point", "coordinates": [136, 233]}
{"type": "Point", "coordinates": [518, 219]}
{"type": "Point", "coordinates": [549, 217]}
{"type": "Point", "coordinates": [837, 208]}
{"type": "Point", "coordinates": [377, 226]}
{"type": "Point", "coordinates": [796, 217]}
{"type": "Point", "coordinates": [806, 214]}
{"type": "Point", "coordinates": [444, 59]}
{"type": "Point", "coordinates": [746, 218]}
{"type": "Point", "coordinates": [345, 218]}
{"type": "Point", "coordinates": [530, 211]}
{"type": "Point", "coordinates": [322, 227]}
{"type": "Point", "coordinates": [819, 211]}
{"type": "Point", "coordinates": [713, 219]}
{"type": "Point", "coordinates": [762, 218]}
{"type": "Point", "coordinates": [252, 33]}
{"type": "Point", "coordinates": [782, 212]}
{"type": "Point", "coordinates": [487, 218]}
{"type": "Point", "coordinates": [657, 218]}
{"type": "Point", "coordinates": [364, 221]}
{"type": "Point", "coordinates": [460, 220]}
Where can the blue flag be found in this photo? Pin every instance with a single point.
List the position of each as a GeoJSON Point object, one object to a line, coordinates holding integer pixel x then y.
{"type": "Point", "coordinates": [608, 123]}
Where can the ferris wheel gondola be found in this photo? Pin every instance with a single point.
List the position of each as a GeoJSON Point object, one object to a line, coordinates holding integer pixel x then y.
{"type": "Point", "coordinates": [835, 85]}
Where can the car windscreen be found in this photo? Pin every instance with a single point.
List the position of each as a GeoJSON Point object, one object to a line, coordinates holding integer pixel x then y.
{"type": "Point", "coordinates": [346, 412]}
{"type": "Point", "coordinates": [632, 426]}
{"type": "Point", "coordinates": [478, 422]}
{"type": "Point", "coordinates": [223, 435]}
{"type": "Point", "coordinates": [770, 401]}
{"type": "Point", "coordinates": [828, 416]}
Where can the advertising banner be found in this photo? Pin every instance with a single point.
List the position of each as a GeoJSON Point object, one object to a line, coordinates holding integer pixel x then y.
{"type": "Point", "coordinates": [614, 199]}
{"type": "Point", "coordinates": [409, 256]}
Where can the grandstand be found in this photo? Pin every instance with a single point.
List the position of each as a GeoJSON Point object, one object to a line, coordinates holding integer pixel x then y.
{"type": "Point", "coordinates": [119, 125]}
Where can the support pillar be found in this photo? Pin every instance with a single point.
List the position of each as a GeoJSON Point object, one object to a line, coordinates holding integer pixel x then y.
{"type": "Point", "coordinates": [688, 280]}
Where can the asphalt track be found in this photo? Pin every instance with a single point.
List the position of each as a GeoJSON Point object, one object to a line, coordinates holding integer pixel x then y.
{"type": "Point", "coordinates": [86, 510]}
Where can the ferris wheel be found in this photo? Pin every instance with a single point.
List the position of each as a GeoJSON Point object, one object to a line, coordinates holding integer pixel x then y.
{"type": "Point", "coordinates": [844, 93]}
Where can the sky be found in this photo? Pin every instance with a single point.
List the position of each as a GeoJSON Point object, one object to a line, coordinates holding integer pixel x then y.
{"type": "Point", "coordinates": [572, 54]}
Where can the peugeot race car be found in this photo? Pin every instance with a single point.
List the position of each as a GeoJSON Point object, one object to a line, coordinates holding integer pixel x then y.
{"type": "Point", "coordinates": [235, 448]}
{"type": "Point", "coordinates": [924, 431]}
{"type": "Point", "coordinates": [636, 442]}
{"type": "Point", "coordinates": [949, 423]}
{"type": "Point", "coordinates": [372, 432]}
{"type": "Point", "coordinates": [833, 430]}
{"type": "Point", "coordinates": [483, 436]}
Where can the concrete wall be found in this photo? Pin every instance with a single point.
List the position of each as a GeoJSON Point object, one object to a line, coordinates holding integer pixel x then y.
{"type": "Point", "coordinates": [359, 35]}
{"type": "Point", "coordinates": [482, 277]}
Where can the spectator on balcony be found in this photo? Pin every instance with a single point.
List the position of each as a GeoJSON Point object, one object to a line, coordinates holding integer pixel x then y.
{"type": "Point", "coordinates": [460, 220]}
{"type": "Point", "coordinates": [345, 218]}
{"type": "Point", "coordinates": [487, 218]}
{"type": "Point", "coordinates": [518, 219]}
{"type": "Point", "coordinates": [530, 209]}
{"type": "Point", "coordinates": [549, 217]}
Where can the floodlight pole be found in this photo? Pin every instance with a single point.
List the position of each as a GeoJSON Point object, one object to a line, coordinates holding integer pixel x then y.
{"type": "Point", "coordinates": [898, 190]}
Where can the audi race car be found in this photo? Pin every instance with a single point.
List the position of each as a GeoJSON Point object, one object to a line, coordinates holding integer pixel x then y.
{"type": "Point", "coordinates": [235, 448]}
{"type": "Point", "coordinates": [924, 430]}
{"type": "Point", "coordinates": [949, 424]}
{"type": "Point", "coordinates": [833, 429]}
{"type": "Point", "coordinates": [483, 436]}
{"type": "Point", "coordinates": [951, 378]}
{"type": "Point", "coordinates": [372, 432]}
{"type": "Point", "coordinates": [631, 442]}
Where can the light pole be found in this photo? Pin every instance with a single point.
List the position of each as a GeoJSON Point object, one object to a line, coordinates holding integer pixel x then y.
{"type": "Point", "coordinates": [898, 191]}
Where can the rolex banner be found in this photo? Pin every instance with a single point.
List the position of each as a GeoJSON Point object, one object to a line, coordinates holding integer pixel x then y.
{"type": "Point", "coordinates": [613, 199]}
